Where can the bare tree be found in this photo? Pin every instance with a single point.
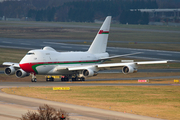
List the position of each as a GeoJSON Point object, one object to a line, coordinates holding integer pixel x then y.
{"type": "Point", "coordinates": [45, 112]}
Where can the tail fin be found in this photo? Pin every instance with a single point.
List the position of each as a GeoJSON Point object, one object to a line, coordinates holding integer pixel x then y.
{"type": "Point", "coordinates": [100, 41]}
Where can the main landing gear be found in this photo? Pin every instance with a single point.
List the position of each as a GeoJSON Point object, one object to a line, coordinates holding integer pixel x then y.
{"type": "Point", "coordinates": [49, 79]}
{"type": "Point", "coordinates": [33, 79]}
{"type": "Point", "coordinates": [78, 78]}
{"type": "Point", "coordinates": [74, 78]}
{"type": "Point", "coordinates": [64, 78]}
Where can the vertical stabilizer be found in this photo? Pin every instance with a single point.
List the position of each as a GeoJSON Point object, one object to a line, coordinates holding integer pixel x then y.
{"type": "Point", "coordinates": [100, 41]}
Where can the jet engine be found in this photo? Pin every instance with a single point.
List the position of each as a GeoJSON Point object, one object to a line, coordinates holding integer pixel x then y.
{"type": "Point", "coordinates": [128, 69]}
{"type": "Point", "coordinates": [9, 70]}
{"type": "Point", "coordinates": [89, 72]}
{"type": "Point", "coordinates": [21, 73]}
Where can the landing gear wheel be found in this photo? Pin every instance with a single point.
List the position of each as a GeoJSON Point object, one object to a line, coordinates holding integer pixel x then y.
{"type": "Point", "coordinates": [50, 79]}
{"type": "Point", "coordinates": [73, 79]}
{"type": "Point", "coordinates": [33, 77]}
{"type": "Point", "coordinates": [33, 80]}
{"type": "Point", "coordinates": [47, 79]}
{"type": "Point", "coordinates": [64, 78]}
{"type": "Point", "coordinates": [67, 79]}
{"type": "Point", "coordinates": [82, 79]}
{"type": "Point", "coordinates": [78, 79]}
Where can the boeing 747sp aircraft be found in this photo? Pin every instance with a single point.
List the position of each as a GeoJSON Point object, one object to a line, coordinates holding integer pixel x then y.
{"type": "Point", "coordinates": [72, 65]}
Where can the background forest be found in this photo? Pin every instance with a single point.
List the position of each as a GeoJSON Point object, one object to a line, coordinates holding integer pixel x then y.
{"type": "Point", "coordinates": [83, 10]}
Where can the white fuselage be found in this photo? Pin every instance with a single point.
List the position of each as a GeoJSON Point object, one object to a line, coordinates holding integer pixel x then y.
{"type": "Point", "coordinates": [45, 61]}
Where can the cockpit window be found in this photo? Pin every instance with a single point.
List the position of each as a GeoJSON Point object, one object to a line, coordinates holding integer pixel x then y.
{"type": "Point", "coordinates": [30, 54]}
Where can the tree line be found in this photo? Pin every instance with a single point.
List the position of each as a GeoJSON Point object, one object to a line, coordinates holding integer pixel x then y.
{"type": "Point", "coordinates": [79, 10]}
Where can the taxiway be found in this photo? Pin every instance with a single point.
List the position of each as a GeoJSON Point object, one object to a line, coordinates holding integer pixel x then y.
{"type": "Point", "coordinates": [56, 44]}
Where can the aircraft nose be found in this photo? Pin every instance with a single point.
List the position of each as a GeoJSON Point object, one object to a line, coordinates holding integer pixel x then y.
{"type": "Point", "coordinates": [27, 67]}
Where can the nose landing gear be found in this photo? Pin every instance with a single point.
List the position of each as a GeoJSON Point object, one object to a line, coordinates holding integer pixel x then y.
{"type": "Point", "coordinates": [33, 79]}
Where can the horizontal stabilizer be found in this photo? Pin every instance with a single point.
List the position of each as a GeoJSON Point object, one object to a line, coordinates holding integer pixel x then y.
{"type": "Point", "coordinates": [116, 56]}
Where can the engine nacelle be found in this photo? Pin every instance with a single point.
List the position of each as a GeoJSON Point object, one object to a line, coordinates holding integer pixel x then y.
{"type": "Point", "coordinates": [9, 70]}
{"type": "Point", "coordinates": [128, 69]}
{"type": "Point", "coordinates": [21, 73]}
{"type": "Point", "coordinates": [89, 72]}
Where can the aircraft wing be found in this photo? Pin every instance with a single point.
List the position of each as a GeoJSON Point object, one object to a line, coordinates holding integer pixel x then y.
{"type": "Point", "coordinates": [112, 65]}
{"type": "Point", "coordinates": [11, 64]}
{"type": "Point", "coordinates": [109, 65]}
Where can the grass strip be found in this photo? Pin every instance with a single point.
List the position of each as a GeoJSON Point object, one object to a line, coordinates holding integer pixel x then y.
{"type": "Point", "coordinates": [155, 101]}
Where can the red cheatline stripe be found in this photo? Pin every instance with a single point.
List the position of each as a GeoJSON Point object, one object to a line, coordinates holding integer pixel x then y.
{"type": "Point", "coordinates": [103, 32]}
{"type": "Point", "coordinates": [31, 67]}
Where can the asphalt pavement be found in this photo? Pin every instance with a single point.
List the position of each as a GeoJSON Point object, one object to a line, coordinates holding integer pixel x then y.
{"type": "Point", "coordinates": [30, 44]}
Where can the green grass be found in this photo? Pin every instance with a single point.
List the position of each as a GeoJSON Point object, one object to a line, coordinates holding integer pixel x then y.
{"type": "Point", "coordinates": [53, 30]}
{"type": "Point", "coordinates": [86, 34]}
{"type": "Point", "coordinates": [163, 101]}
{"type": "Point", "coordinates": [50, 24]}
{"type": "Point", "coordinates": [145, 36]}
{"type": "Point", "coordinates": [11, 55]}
{"type": "Point", "coordinates": [150, 27]}
{"type": "Point", "coordinates": [133, 38]}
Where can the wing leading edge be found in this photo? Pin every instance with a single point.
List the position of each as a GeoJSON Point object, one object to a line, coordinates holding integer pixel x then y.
{"type": "Point", "coordinates": [16, 65]}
